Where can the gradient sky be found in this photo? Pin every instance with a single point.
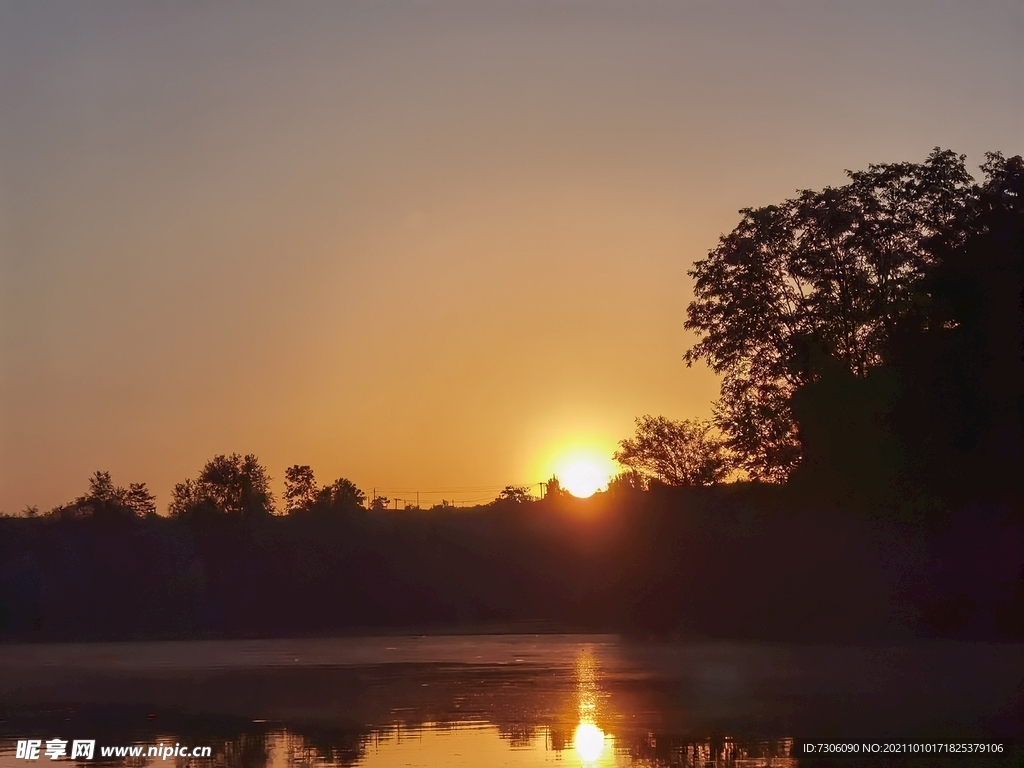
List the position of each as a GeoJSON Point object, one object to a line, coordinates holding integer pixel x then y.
{"type": "Point", "coordinates": [422, 245]}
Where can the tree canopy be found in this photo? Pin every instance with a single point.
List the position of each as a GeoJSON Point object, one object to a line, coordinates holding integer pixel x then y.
{"type": "Point", "coordinates": [825, 281]}
{"type": "Point", "coordinates": [514, 494]}
{"type": "Point", "coordinates": [104, 500]}
{"type": "Point", "coordinates": [232, 485]}
{"type": "Point", "coordinates": [302, 494]}
{"type": "Point", "coordinates": [688, 452]}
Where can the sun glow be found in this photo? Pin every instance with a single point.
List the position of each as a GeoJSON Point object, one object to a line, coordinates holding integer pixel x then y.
{"type": "Point", "coordinates": [589, 742]}
{"type": "Point", "coordinates": [582, 476]}
{"type": "Point", "coordinates": [589, 739]}
{"type": "Point", "coordinates": [580, 460]}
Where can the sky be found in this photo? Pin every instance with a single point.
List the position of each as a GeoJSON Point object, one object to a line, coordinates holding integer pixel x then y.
{"type": "Point", "coordinates": [428, 246]}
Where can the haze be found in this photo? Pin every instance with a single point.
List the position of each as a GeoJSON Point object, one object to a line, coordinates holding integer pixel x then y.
{"type": "Point", "coordinates": [423, 246]}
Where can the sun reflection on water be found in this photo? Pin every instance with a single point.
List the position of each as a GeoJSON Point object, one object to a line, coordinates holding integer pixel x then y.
{"type": "Point", "coordinates": [589, 739]}
{"type": "Point", "coordinates": [589, 742]}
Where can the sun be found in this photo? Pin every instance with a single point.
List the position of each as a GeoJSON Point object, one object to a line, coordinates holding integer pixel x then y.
{"type": "Point", "coordinates": [583, 472]}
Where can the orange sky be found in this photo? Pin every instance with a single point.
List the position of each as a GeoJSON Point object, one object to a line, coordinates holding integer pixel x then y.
{"type": "Point", "coordinates": [422, 245]}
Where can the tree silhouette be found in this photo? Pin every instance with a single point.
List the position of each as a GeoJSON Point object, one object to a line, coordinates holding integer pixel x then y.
{"type": "Point", "coordinates": [940, 418]}
{"type": "Point", "coordinates": [300, 489]}
{"type": "Point", "coordinates": [106, 501]}
{"type": "Point", "coordinates": [302, 494]}
{"type": "Point", "coordinates": [825, 276]}
{"type": "Point", "coordinates": [140, 500]}
{"type": "Point", "coordinates": [514, 494]}
{"type": "Point", "coordinates": [675, 452]}
{"type": "Point", "coordinates": [627, 482]}
{"type": "Point", "coordinates": [342, 495]}
{"type": "Point", "coordinates": [231, 485]}
{"type": "Point", "coordinates": [554, 490]}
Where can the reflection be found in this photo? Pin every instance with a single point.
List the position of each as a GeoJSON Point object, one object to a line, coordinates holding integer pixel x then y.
{"type": "Point", "coordinates": [465, 702]}
{"type": "Point", "coordinates": [589, 742]}
{"type": "Point", "coordinates": [589, 739]}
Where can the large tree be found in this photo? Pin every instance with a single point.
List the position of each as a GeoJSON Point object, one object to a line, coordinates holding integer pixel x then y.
{"type": "Point", "coordinates": [687, 452]}
{"type": "Point", "coordinates": [819, 280]}
{"type": "Point", "coordinates": [231, 485]}
{"type": "Point", "coordinates": [300, 488]}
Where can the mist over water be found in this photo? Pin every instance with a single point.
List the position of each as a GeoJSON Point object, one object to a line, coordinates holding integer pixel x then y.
{"type": "Point", "coordinates": [591, 700]}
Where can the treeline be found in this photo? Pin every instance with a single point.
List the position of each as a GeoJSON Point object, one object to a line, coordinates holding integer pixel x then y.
{"type": "Point", "coordinates": [736, 561]}
{"type": "Point", "coordinates": [239, 486]}
{"type": "Point", "coordinates": [233, 485]}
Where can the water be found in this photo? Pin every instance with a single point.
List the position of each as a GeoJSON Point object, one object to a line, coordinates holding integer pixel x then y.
{"type": "Point", "coordinates": [515, 700]}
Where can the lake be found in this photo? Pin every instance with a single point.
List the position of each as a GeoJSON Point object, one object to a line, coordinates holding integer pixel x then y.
{"type": "Point", "coordinates": [515, 700]}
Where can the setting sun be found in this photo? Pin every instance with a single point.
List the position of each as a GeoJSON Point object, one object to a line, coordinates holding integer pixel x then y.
{"type": "Point", "coordinates": [582, 478]}
{"type": "Point", "coordinates": [583, 472]}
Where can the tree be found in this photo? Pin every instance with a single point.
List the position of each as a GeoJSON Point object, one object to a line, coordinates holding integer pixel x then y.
{"type": "Point", "coordinates": [343, 495]}
{"type": "Point", "coordinates": [300, 489]}
{"type": "Point", "coordinates": [826, 276]}
{"type": "Point", "coordinates": [629, 481]}
{"type": "Point", "coordinates": [302, 495]}
{"type": "Point", "coordinates": [554, 490]}
{"type": "Point", "coordinates": [104, 500]}
{"type": "Point", "coordinates": [379, 503]}
{"type": "Point", "coordinates": [102, 489]}
{"type": "Point", "coordinates": [684, 452]}
{"type": "Point", "coordinates": [230, 485]}
{"type": "Point", "coordinates": [139, 499]}
{"type": "Point", "coordinates": [514, 494]}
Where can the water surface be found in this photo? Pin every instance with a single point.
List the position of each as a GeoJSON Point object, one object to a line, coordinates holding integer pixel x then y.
{"type": "Point", "coordinates": [571, 700]}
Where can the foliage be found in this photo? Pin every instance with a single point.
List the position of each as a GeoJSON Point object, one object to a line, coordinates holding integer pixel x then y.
{"type": "Point", "coordinates": [629, 481]}
{"type": "Point", "coordinates": [636, 563]}
{"type": "Point", "coordinates": [230, 485]}
{"type": "Point", "coordinates": [514, 494]}
{"type": "Point", "coordinates": [826, 276]}
{"type": "Point", "coordinates": [300, 490]}
{"type": "Point", "coordinates": [941, 418]}
{"type": "Point", "coordinates": [302, 494]}
{"type": "Point", "coordinates": [107, 501]}
{"type": "Point", "coordinates": [553, 489]}
{"type": "Point", "coordinates": [342, 494]}
{"type": "Point", "coordinates": [687, 452]}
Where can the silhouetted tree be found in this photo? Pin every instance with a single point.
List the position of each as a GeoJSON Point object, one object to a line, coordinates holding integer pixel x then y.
{"type": "Point", "coordinates": [554, 489]}
{"type": "Point", "coordinates": [379, 503]}
{"type": "Point", "coordinates": [107, 501]}
{"type": "Point", "coordinates": [302, 495]}
{"type": "Point", "coordinates": [627, 482]}
{"type": "Point", "coordinates": [825, 276]}
{"type": "Point", "coordinates": [675, 452]}
{"type": "Point", "coordinates": [514, 494]}
{"type": "Point", "coordinates": [941, 417]}
{"type": "Point", "coordinates": [342, 495]}
{"type": "Point", "coordinates": [102, 489]}
{"type": "Point", "coordinates": [300, 489]}
{"type": "Point", "coordinates": [139, 499]}
{"type": "Point", "coordinates": [232, 485]}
